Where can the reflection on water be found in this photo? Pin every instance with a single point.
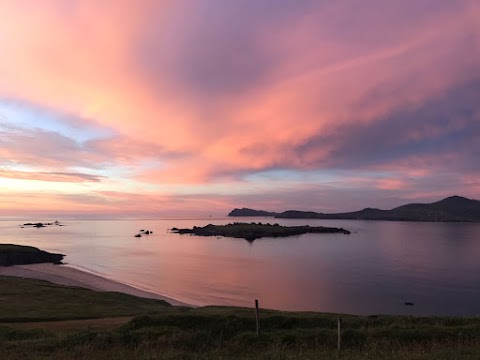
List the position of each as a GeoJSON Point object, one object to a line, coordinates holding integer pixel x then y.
{"type": "Point", "coordinates": [376, 269]}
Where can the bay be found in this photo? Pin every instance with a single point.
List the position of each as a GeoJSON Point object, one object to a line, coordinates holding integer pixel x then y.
{"type": "Point", "coordinates": [374, 270]}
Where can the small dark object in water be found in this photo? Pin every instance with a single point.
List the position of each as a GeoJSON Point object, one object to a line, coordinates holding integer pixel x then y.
{"type": "Point", "coordinates": [138, 235]}
{"type": "Point", "coordinates": [142, 230]}
{"type": "Point", "coordinates": [147, 232]}
{"type": "Point", "coordinates": [41, 225]}
{"type": "Point", "coordinates": [408, 304]}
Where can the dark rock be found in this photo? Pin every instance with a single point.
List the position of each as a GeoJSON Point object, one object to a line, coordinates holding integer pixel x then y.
{"type": "Point", "coordinates": [40, 225]}
{"type": "Point", "coordinates": [22, 255]}
{"type": "Point", "coordinates": [254, 231]}
{"type": "Point", "coordinates": [245, 212]}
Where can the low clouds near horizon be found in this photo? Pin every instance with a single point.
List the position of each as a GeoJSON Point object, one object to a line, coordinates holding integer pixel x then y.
{"type": "Point", "coordinates": [178, 107]}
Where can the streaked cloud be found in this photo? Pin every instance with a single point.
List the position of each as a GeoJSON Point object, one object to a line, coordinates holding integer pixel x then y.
{"type": "Point", "coordinates": [191, 103]}
{"type": "Point", "coordinates": [50, 176]}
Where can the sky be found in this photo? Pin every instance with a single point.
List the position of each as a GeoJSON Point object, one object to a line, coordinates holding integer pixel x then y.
{"type": "Point", "coordinates": [194, 107]}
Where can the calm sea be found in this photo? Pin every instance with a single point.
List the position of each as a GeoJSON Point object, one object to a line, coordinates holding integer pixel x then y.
{"type": "Point", "coordinates": [375, 270]}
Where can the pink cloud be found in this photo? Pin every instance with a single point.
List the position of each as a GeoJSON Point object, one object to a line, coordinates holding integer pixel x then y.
{"type": "Point", "coordinates": [391, 184]}
{"type": "Point", "coordinates": [204, 98]}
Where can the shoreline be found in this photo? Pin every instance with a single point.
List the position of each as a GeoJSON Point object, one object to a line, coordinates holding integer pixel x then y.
{"type": "Point", "coordinates": [71, 276]}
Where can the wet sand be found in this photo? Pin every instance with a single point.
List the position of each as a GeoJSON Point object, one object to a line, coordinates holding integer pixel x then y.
{"type": "Point", "coordinates": [69, 276]}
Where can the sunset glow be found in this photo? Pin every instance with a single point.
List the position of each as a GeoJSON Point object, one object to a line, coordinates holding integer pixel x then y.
{"type": "Point", "coordinates": [177, 107]}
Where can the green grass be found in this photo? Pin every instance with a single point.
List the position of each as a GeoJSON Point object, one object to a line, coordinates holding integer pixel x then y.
{"type": "Point", "coordinates": [24, 300]}
{"type": "Point", "coordinates": [166, 332]}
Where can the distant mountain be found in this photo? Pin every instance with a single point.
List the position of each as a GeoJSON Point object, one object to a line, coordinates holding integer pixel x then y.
{"type": "Point", "coordinates": [245, 212]}
{"type": "Point", "coordinates": [451, 209]}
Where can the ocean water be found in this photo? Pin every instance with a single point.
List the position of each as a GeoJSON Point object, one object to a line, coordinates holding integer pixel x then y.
{"type": "Point", "coordinates": [375, 270]}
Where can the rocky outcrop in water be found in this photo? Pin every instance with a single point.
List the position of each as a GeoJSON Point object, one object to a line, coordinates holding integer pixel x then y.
{"type": "Point", "coordinates": [254, 231]}
{"type": "Point", "coordinates": [41, 225]}
{"type": "Point", "coordinates": [246, 212]}
{"type": "Point", "coordinates": [22, 255]}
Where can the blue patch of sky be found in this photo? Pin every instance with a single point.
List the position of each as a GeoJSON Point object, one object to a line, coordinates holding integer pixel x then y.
{"type": "Point", "coordinates": [123, 171]}
{"type": "Point", "coordinates": [111, 172]}
{"type": "Point", "coordinates": [17, 166]}
{"type": "Point", "coordinates": [18, 115]}
{"type": "Point", "coordinates": [308, 176]}
{"type": "Point", "coordinates": [84, 170]}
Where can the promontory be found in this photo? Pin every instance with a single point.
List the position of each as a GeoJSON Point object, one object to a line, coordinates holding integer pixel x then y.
{"type": "Point", "coordinates": [22, 255]}
{"type": "Point", "coordinates": [451, 209]}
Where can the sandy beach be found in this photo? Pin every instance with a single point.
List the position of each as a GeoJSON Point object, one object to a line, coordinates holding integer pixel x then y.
{"type": "Point", "coordinates": [69, 276]}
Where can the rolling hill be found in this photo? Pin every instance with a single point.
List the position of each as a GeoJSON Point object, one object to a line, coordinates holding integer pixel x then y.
{"type": "Point", "coordinates": [451, 209]}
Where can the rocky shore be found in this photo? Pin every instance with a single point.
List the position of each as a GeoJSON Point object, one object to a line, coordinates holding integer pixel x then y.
{"type": "Point", "coordinates": [22, 255]}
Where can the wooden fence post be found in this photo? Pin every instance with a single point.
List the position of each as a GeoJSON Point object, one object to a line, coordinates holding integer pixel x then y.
{"type": "Point", "coordinates": [257, 317]}
{"type": "Point", "coordinates": [339, 333]}
{"type": "Point", "coordinates": [221, 337]}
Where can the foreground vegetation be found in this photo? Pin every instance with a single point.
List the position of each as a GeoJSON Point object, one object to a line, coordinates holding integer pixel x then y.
{"type": "Point", "coordinates": [253, 231]}
{"type": "Point", "coordinates": [36, 323]}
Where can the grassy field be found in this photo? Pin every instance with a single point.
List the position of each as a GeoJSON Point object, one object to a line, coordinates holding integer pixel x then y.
{"type": "Point", "coordinates": [39, 320]}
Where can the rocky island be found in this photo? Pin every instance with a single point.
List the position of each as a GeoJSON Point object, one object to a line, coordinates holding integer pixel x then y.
{"type": "Point", "coordinates": [246, 212]}
{"type": "Point", "coordinates": [22, 255]}
{"type": "Point", "coordinates": [253, 231]}
{"type": "Point", "coordinates": [40, 224]}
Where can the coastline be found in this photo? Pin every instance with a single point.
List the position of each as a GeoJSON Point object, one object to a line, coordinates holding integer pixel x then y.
{"type": "Point", "coordinates": [70, 276]}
